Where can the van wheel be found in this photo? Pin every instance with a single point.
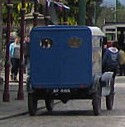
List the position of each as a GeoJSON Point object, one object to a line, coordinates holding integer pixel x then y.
{"type": "Point", "coordinates": [32, 104]}
{"type": "Point", "coordinates": [96, 102]}
{"type": "Point", "coordinates": [110, 97]}
{"type": "Point", "coordinates": [49, 104]}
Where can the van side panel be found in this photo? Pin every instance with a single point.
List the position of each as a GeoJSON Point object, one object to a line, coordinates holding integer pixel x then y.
{"type": "Point", "coordinates": [97, 55]}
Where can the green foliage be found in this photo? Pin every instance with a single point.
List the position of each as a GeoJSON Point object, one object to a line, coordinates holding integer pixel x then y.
{"type": "Point", "coordinates": [15, 11]}
{"type": "Point", "coordinates": [72, 21]}
{"type": "Point", "coordinates": [92, 10]}
{"type": "Point", "coordinates": [111, 14]}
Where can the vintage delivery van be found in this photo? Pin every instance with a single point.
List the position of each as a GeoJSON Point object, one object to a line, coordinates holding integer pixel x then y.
{"type": "Point", "coordinates": [66, 63]}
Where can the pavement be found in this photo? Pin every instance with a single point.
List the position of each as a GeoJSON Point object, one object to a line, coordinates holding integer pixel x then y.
{"type": "Point", "coordinates": [14, 107]}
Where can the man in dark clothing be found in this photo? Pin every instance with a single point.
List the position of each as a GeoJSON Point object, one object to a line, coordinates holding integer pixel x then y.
{"type": "Point", "coordinates": [26, 51]}
{"type": "Point", "coordinates": [121, 40]}
{"type": "Point", "coordinates": [110, 60]}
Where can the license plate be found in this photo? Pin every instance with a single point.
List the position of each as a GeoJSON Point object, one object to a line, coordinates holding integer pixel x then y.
{"type": "Point", "coordinates": [61, 90]}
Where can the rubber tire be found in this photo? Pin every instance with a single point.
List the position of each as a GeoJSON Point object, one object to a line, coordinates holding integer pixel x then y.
{"type": "Point", "coordinates": [32, 104]}
{"type": "Point", "coordinates": [110, 97]}
{"type": "Point", "coordinates": [49, 104]}
{"type": "Point", "coordinates": [96, 102]}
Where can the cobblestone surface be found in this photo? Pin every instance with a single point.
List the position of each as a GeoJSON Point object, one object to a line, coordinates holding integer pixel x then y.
{"type": "Point", "coordinates": [75, 113]}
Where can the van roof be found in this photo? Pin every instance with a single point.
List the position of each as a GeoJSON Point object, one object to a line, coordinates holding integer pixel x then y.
{"type": "Point", "coordinates": [96, 31]}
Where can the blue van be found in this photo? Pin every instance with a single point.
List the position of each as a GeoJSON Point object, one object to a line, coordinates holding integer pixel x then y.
{"type": "Point", "coordinates": [66, 63]}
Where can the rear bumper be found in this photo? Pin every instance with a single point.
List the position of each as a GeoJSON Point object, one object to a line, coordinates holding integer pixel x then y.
{"type": "Point", "coordinates": [61, 94]}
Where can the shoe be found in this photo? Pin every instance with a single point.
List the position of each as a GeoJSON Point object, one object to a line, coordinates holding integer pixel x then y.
{"type": "Point", "coordinates": [15, 79]}
{"type": "Point", "coordinates": [12, 77]}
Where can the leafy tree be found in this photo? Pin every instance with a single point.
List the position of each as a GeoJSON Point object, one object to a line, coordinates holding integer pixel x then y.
{"type": "Point", "coordinates": [92, 11]}
{"type": "Point", "coordinates": [111, 14]}
{"type": "Point", "coordinates": [119, 12]}
{"type": "Point", "coordinates": [15, 12]}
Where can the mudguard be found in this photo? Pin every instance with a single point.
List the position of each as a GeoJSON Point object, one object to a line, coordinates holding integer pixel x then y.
{"type": "Point", "coordinates": [96, 82]}
{"type": "Point", "coordinates": [105, 82]}
{"type": "Point", "coordinates": [28, 86]}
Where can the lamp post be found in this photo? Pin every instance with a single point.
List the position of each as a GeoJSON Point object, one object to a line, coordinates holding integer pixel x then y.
{"type": "Point", "coordinates": [20, 95]}
{"type": "Point", "coordinates": [35, 14]}
{"type": "Point", "coordinates": [82, 12]}
{"type": "Point", "coordinates": [46, 17]}
{"type": "Point", "coordinates": [1, 28]}
{"type": "Point", "coordinates": [6, 94]}
{"type": "Point", "coordinates": [95, 11]}
{"type": "Point", "coordinates": [116, 7]}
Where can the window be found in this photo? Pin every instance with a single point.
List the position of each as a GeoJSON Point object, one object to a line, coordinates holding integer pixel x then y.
{"type": "Point", "coordinates": [46, 43]}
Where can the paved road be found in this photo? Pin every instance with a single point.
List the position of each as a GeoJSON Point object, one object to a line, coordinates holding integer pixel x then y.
{"type": "Point", "coordinates": [76, 113]}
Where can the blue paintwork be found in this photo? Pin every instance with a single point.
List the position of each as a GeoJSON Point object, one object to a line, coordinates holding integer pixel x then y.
{"type": "Point", "coordinates": [61, 66]}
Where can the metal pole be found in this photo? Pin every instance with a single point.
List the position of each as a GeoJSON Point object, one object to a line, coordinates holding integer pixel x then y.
{"type": "Point", "coordinates": [1, 29]}
{"type": "Point", "coordinates": [35, 14]}
{"type": "Point", "coordinates": [20, 95]}
{"type": "Point", "coordinates": [116, 4]}
{"type": "Point", "coordinates": [95, 11]}
{"type": "Point", "coordinates": [64, 17]}
{"type": "Point", "coordinates": [82, 12]}
{"type": "Point", "coordinates": [6, 94]}
{"type": "Point", "coordinates": [46, 17]}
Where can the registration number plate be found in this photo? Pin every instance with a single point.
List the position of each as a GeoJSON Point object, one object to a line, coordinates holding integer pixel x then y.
{"type": "Point", "coordinates": [61, 90]}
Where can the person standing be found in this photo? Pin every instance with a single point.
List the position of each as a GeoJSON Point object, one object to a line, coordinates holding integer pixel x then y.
{"type": "Point", "coordinates": [14, 50]}
{"type": "Point", "coordinates": [110, 61]}
{"type": "Point", "coordinates": [26, 52]}
{"type": "Point", "coordinates": [122, 62]}
{"type": "Point", "coordinates": [121, 40]}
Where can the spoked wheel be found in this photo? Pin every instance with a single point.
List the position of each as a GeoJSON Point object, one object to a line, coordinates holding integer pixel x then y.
{"type": "Point", "coordinates": [96, 102]}
{"type": "Point", "coordinates": [32, 104]}
{"type": "Point", "coordinates": [110, 97]}
{"type": "Point", "coordinates": [49, 104]}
